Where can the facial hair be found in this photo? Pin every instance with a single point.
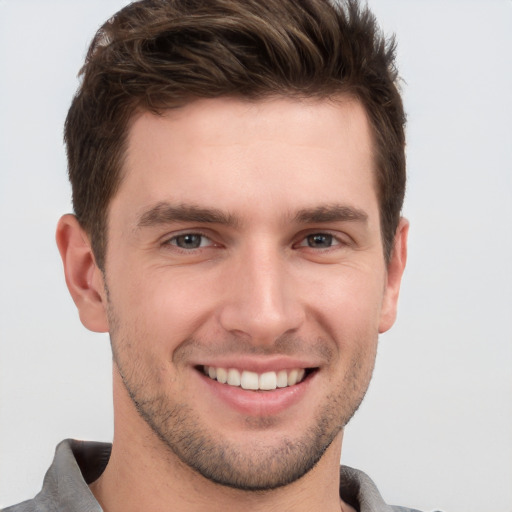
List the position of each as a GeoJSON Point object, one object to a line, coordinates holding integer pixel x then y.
{"type": "Point", "coordinates": [253, 466]}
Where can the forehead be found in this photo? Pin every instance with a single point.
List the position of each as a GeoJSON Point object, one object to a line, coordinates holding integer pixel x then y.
{"type": "Point", "coordinates": [230, 153]}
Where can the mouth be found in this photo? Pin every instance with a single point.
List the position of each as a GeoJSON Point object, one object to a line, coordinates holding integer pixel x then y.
{"type": "Point", "coordinates": [253, 381]}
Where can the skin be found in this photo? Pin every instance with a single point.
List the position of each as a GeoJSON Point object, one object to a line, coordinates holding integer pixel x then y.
{"type": "Point", "coordinates": [289, 272]}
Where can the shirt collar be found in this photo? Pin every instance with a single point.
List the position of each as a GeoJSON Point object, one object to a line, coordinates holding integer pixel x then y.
{"type": "Point", "coordinates": [78, 463]}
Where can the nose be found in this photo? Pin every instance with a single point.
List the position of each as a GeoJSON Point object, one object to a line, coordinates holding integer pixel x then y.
{"type": "Point", "coordinates": [262, 300]}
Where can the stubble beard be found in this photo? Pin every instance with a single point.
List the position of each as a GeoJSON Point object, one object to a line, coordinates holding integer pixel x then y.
{"type": "Point", "coordinates": [255, 468]}
{"type": "Point", "coordinates": [251, 467]}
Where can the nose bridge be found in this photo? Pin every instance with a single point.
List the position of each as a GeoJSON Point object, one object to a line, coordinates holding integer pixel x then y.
{"type": "Point", "coordinates": [261, 302]}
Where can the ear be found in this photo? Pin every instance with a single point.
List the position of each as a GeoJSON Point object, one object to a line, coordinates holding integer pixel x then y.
{"type": "Point", "coordinates": [83, 277]}
{"type": "Point", "coordinates": [396, 268]}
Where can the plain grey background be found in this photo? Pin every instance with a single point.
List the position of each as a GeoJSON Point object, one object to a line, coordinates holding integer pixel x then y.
{"type": "Point", "coordinates": [435, 430]}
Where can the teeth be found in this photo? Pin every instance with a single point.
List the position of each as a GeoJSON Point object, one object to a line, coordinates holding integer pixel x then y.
{"type": "Point", "coordinates": [249, 380]}
{"type": "Point", "coordinates": [233, 377]}
{"type": "Point", "coordinates": [253, 381]}
{"type": "Point", "coordinates": [292, 377]}
{"type": "Point", "coordinates": [268, 381]}
{"type": "Point", "coordinates": [222, 375]}
{"type": "Point", "coordinates": [282, 379]}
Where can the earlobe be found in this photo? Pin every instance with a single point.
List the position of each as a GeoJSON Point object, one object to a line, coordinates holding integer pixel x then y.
{"type": "Point", "coordinates": [83, 277]}
{"type": "Point", "coordinates": [396, 267]}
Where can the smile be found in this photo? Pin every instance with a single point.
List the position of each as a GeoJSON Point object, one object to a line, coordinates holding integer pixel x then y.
{"type": "Point", "coordinates": [253, 381]}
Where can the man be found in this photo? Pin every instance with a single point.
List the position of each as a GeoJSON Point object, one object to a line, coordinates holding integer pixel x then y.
{"type": "Point", "coordinates": [238, 174]}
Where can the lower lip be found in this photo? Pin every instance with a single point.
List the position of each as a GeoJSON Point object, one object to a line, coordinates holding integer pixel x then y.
{"type": "Point", "coordinates": [257, 403]}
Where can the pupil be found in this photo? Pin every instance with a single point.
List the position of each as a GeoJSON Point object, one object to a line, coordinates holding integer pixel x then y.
{"type": "Point", "coordinates": [189, 241]}
{"type": "Point", "coordinates": [320, 240]}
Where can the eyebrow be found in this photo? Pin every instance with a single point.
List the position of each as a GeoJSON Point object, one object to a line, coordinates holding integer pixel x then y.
{"type": "Point", "coordinates": [331, 213]}
{"type": "Point", "coordinates": [165, 213]}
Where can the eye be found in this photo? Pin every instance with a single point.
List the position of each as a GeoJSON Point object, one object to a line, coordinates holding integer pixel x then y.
{"type": "Point", "coordinates": [190, 241]}
{"type": "Point", "coordinates": [319, 241]}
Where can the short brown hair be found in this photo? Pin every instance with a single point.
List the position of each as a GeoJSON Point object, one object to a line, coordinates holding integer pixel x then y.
{"type": "Point", "coordinates": [158, 54]}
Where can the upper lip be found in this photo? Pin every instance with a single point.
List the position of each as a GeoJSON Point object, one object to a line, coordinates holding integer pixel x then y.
{"type": "Point", "coordinates": [258, 364]}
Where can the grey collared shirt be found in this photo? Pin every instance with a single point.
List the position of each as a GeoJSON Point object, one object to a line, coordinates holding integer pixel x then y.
{"type": "Point", "coordinates": [78, 463]}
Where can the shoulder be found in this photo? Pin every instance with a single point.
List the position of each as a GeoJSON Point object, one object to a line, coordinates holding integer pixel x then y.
{"type": "Point", "coordinates": [405, 509]}
{"type": "Point", "coordinates": [26, 506]}
{"type": "Point", "coordinates": [402, 509]}
{"type": "Point", "coordinates": [41, 503]}
{"type": "Point", "coordinates": [359, 490]}
{"type": "Point", "coordinates": [65, 485]}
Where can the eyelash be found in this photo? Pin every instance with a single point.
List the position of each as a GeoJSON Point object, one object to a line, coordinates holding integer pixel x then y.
{"type": "Point", "coordinates": [203, 236]}
{"type": "Point", "coordinates": [334, 241]}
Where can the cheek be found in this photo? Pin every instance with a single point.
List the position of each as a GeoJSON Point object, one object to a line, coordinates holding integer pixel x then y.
{"type": "Point", "coordinates": [350, 301]}
{"type": "Point", "coordinates": [163, 307]}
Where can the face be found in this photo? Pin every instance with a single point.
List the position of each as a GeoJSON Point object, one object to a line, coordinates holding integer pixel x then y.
{"type": "Point", "coordinates": [245, 282]}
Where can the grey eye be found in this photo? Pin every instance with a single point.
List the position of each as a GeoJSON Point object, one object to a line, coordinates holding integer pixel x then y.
{"type": "Point", "coordinates": [319, 240]}
{"type": "Point", "coordinates": [188, 241]}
